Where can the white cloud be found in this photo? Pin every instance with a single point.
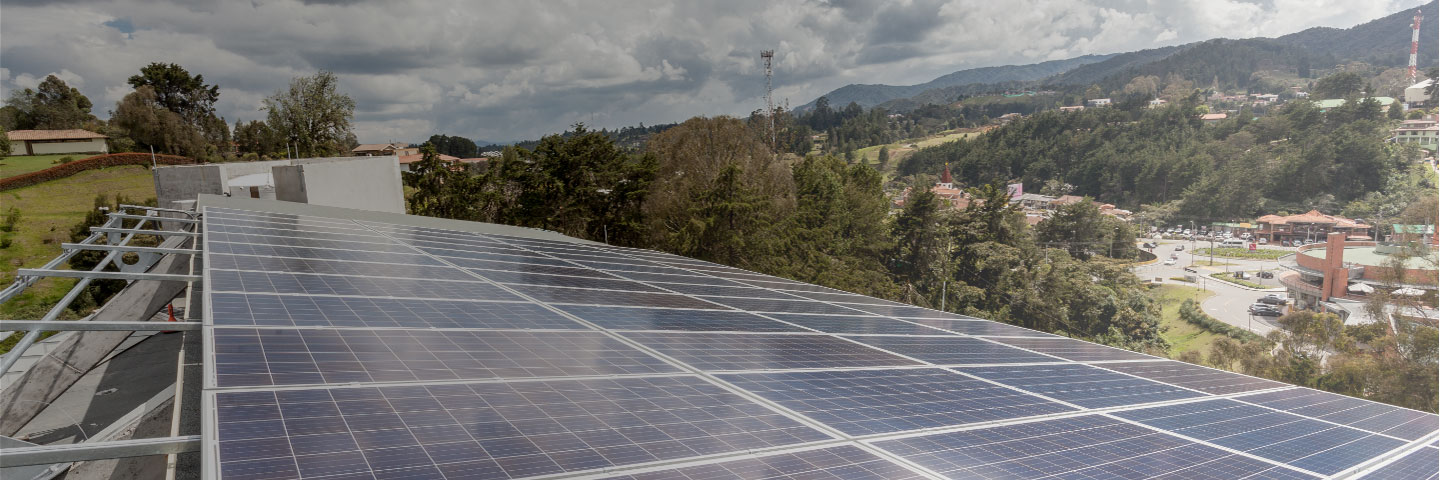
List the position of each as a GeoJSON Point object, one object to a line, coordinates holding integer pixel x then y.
{"type": "Point", "coordinates": [514, 69]}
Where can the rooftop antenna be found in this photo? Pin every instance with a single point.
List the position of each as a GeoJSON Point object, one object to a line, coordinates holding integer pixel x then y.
{"type": "Point", "coordinates": [769, 98]}
{"type": "Point", "coordinates": [1414, 43]}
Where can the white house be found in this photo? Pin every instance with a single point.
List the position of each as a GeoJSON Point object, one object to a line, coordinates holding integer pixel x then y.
{"type": "Point", "coordinates": [1424, 132]}
{"type": "Point", "coordinates": [55, 142]}
{"type": "Point", "coordinates": [1415, 94]}
{"type": "Point", "coordinates": [1098, 102]}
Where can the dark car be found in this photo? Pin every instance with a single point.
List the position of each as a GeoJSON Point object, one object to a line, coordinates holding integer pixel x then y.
{"type": "Point", "coordinates": [1262, 310]}
{"type": "Point", "coordinates": [1272, 300]}
{"type": "Point", "coordinates": [1266, 275]}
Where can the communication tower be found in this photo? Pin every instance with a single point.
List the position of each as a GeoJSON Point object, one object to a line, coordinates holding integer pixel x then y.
{"type": "Point", "coordinates": [767, 55]}
{"type": "Point", "coordinates": [1414, 45]}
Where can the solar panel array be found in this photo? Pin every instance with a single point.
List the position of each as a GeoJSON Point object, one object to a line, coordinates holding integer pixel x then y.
{"type": "Point", "coordinates": [339, 348]}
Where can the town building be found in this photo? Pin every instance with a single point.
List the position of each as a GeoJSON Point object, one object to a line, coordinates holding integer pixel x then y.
{"type": "Point", "coordinates": [407, 162]}
{"type": "Point", "coordinates": [1157, 103]}
{"type": "Point", "coordinates": [1073, 108]}
{"type": "Point", "coordinates": [1423, 132]}
{"type": "Point", "coordinates": [1330, 103]}
{"type": "Point", "coordinates": [1415, 94]}
{"type": "Point", "coordinates": [1098, 102]}
{"type": "Point", "coordinates": [369, 183]}
{"type": "Point", "coordinates": [383, 149]}
{"type": "Point", "coordinates": [1213, 118]}
{"type": "Point", "coordinates": [1311, 226]}
{"type": "Point", "coordinates": [55, 142]}
{"type": "Point", "coordinates": [1340, 275]}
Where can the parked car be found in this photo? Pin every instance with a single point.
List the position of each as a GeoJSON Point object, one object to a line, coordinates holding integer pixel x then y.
{"type": "Point", "coordinates": [1191, 270]}
{"type": "Point", "coordinates": [1266, 274]}
{"type": "Point", "coordinates": [1169, 261]}
{"type": "Point", "coordinates": [1263, 310]}
{"type": "Point", "coordinates": [1284, 243]}
{"type": "Point", "coordinates": [1271, 299]}
{"type": "Point", "coordinates": [1264, 241]}
{"type": "Point", "coordinates": [1179, 248]}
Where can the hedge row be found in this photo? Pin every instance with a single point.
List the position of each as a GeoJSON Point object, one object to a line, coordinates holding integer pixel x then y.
{"type": "Point", "coordinates": [1191, 313]}
{"type": "Point", "coordinates": [99, 161]}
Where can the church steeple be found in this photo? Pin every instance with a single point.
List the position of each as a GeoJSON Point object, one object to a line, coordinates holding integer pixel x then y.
{"type": "Point", "coordinates": [945, 179]}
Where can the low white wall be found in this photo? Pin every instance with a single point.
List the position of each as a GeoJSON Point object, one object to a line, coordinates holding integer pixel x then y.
{"type": "Point", "coordinates": [94, 145]}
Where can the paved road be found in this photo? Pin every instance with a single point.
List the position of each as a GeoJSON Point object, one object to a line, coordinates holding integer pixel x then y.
{"type": "Point", "coordinates": [1231, 303]}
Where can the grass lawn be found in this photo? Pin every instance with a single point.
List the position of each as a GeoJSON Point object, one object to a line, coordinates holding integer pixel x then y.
{"type": "Point", "coordinates": [1226, 277]}
{"type": "Point", "coordinates": [47, 211]}
{"type": "Point", "coordinates": [1182, 336]}
{"type": "Point", "coordinates": [1236, 252]}
{"type": "Point", "coordinates": [900, 150]}
{"type": "Point", "coordinates": [12, 166]}
{"type": "Point", "coordinates": [1208, 263]}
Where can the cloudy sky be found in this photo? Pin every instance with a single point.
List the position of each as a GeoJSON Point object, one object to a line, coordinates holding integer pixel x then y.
{"type": "Point", "coordinates": [499, 71]}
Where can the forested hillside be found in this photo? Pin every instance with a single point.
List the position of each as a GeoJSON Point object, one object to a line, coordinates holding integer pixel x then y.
{"type": "Point", "coordinates": [1383, 41]}
{"type": "Point", "coordinates": [875, 94]}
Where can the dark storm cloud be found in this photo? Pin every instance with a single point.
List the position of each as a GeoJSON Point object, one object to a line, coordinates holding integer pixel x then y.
{"type": "Point", "coordinates": [503, 70]}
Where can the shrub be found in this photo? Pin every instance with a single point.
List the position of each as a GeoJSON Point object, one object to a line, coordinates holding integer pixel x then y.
{"type": "Point", "coordinates": [99, 161]}
{"type": "Point", "coordinates": [12, 217]}
{"type": "Point", "coordinates": [1191, 313]}
{"type": "Point", "coordinates": [65, 160]}
{"type": "Point", "coordinates": [5, 243]}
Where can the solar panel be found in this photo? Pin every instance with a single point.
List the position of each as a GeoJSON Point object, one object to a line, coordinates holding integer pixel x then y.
{"type": "Point", "coordinates": [1422, 464]}
{"type": "Point", "coordinates": [721, 351]}
{"type": "Point", "coordinates": [951, 350]}
{"type": "Point", "coordinates": [263, 357]}
{"type": "Point", "coordinates": [340, 348]}
{"type": "Point", "coordinates": [1082, 385]}
{"type": "Point", "coordinates": [1362, 414]}
{"type": "Point", "coordinates": [489, 430]}
{"type": "Point", "coordinates": [839, 463]}
{"type": "Point", "coordinates": [264, 310]}
{"type": "Point", "coordinates": [1195, 377]}
{"type": "Point", "coordinates": [786, 306]}
{"type": "Point", "coordinates": [316, 284]}
{"type": "Point", "coordinates": [1313, 445]}
{"type": "Point", "coordinates": [855, 324]}
{"type": "Point", "coordinates": [1076, 350]}
{"type": "Point", "coordinates": [864, 402]}
{"type": "Point", "coordinates": [1091, 446]}
{"type": "Point", "coordinates": [627, 318]}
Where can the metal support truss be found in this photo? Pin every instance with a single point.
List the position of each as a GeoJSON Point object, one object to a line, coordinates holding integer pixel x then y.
{"type": "Point", "coordinates": [50, 454]}
{"type": "Point", "coordinates": [118, 236]}
{"type": "Point", "coordinates": [96, 326]}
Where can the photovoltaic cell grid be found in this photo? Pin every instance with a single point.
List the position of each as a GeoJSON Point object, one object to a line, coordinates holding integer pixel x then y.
{"type": "Point", "coordinates": [1365, 415]}
{"type": "Point", "coordinates": [1086, 447]}
{"type": "Point", "coordinates": [1306, 443]}
{"type": "Point", "coordinates": [316, 303]}
{"type": "Point", "coordinates": [1082, 385]}
{"type": "Point", "coordinates": [1422, 464]}
{"type": "Point", "coordinates": [839, 463]}
{"type": "Point", "coordinates": [489, 430]}
{"type": "Point", "coordinates": [864, 402]}
{"type": "Point", "coordinates": [1196, 377]}
{"type": "Point", "coordinates": [263, 310]}
{"type": "Point", "coordinates": [263, 357]}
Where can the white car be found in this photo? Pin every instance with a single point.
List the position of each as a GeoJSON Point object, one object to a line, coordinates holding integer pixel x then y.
{"type": "Point", "coordinates": [1169, 261]}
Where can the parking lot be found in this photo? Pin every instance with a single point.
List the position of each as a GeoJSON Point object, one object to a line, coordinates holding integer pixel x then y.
{"type": "Point", "coordinates": [1231, 303]}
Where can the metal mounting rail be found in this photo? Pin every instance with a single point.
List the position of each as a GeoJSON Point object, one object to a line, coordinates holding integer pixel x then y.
{"type": "Point", "coordinates": [37, 272]}
{"type": "Point", "coordinates": [139, 231]}
{"type": "Point", "coordinates": [88, 326]}
{"type": "Point", "coordinates": [50, 454]}
{"type": "Point", "coordinates": [151, 217]}
{"type": "Point", "coordinates": [127, 248]}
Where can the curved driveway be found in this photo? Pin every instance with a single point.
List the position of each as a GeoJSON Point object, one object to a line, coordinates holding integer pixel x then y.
{"type": "Point", "coordinates": [1231, 303]}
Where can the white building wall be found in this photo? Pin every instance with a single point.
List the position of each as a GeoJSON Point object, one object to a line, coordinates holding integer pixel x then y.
{"type": "Point", "coordinates": [55, 148]}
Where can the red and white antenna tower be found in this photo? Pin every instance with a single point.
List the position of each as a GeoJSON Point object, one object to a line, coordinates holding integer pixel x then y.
{"type": "Point", "coordinates": [1414, 43]}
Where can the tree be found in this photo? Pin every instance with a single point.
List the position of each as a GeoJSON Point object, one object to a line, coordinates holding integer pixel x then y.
{"type": "Point", "coordinates": [52, 105]}
{"type": "Point", "coordinates": [258, 138]}
{"type": "Point", "coordinates": [4, 142]}
{"type": "Point", "coordinates": [1395, 112]}
{"type": "Point", "coordinates": [177, 91]}
{"type": "Point", "coordinates": [313, 115]}
{"type": "Point", "coordinates": [454, 146]}
{"type": "Point", "coordinates": [144, 120]}
{"type": "Point", "coordinates": [1340, 85]}
{"type": "Point", "coordinates": [884, 158]}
